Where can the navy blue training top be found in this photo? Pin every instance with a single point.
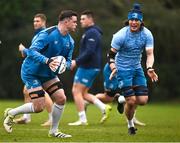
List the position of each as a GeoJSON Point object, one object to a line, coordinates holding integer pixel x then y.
{"type": "Point", "coordinates": [90, 52]}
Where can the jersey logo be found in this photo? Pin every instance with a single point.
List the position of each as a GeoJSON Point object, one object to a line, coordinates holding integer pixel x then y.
{"type": "Point", "coordinates": [91, 39]}
{"type": "Point", "coordinates": [85, 80]}
{"type": "Point", "coordinates": [35, 82]}
{"type": "Point", "coordinates": [83, 36]}
{"type": "Point", "coordinates": [55, 42]}
{"type": "Point", "coordinates": [67, 44]}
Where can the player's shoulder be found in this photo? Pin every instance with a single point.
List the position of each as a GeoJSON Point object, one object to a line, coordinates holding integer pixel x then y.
{"type": "Point", "coordinates": [121, 31]}
{"type": "Point", "coordinates": [94, 30]}
{"type": "Point", "coordinates": [46, 32]}
{"type": "Point", "coordinates": [50, 29]}
{"type": "Point", "coordinates": [146, 31]}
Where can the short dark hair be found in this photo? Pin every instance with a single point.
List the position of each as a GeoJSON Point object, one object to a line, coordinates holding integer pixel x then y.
{"type": "Point", "coordinates": [41, 15]}
{"type": "Point", "coordinates": [89, 13]}
{"type": "Point", "coordinates": [67, 14]}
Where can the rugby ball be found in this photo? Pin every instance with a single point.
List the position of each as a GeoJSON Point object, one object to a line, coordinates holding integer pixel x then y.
{"type": "Point", "coordinates": [61, 67]}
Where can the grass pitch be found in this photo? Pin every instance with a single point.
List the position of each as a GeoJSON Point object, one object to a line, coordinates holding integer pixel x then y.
{"type": "Point", "coordinates": [162, 125]}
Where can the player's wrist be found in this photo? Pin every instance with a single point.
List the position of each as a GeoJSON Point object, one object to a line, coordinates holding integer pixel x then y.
{"type": "Point", "coordinates": [149, 69]}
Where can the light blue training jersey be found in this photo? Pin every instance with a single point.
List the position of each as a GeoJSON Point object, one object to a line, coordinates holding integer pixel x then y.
{"type": "Point", "coordinates": [48, 43]}
{"type": "Point", "coordinates": [129, 46]}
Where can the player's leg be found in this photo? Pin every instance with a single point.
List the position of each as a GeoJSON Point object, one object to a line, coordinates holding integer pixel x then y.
{"type": "Point", "coordinates": [36, 93]}
{"type": "Point", "coordinates": [37, 105]}
{"type": "Point", "coordinates": [125, 79]}
{"type": "Point", "coordinates": [129, 112]}
{"type": "Point", "coordinates": [136, 121]}
{"type": "Point", "coordinates": [55, 89]}
{"type": "Point", "coordinates": [48, 104]}
{"type": "Point", "coordinates": [78, 90]}
{"type": "Point", "coordinates": [141, 91]}
{"type": "Point", "coordinates": [26, 118]}
{"type": "Point", "coordinates": [104, 97]}
{"type": "Point", "coordinates": [90, 76]}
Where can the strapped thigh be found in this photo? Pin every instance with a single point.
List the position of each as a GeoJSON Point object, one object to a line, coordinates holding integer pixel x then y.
{"type": "Point", "coordinates": [112, 93]}
{"type": "Point", "coordinates": [141, 90]}
{"type": "Point", "coordinates": [54, 87]}
{"type": "Point", "coordinates": [127, 91]}
{"type": "Point", "coordinates": [37, 94]}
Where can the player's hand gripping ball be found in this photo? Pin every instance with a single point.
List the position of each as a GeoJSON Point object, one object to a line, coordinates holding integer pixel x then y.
{"type": "Point", "coordinates": [61, 67]}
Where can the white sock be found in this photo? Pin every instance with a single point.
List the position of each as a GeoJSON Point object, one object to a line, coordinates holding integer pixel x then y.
{"type": "Point", "coordinates": [130, 123]}
{"type": "Point", "coordinates": [121, 99]}
{"type": "Point", "coordinates": [50, 116]}
{"type": "Point", "coordinates": [27, 116]}
{"type": "Point", "coordinates": [100, 105]}
{"type": "Point", "coordinates": [57, 111]}
{"type": "Point", "coordinates": [82, 116]}
{"type": "Point", "coordinates": [26, 108]}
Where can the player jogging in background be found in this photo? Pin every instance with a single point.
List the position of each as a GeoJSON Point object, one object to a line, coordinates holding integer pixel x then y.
{"type": "Point", "coordinates": [39, 23]}
{"type": "Point", "coordinates": [89, 64]}
{"type": "Point", "coordinates": [38, 77]}
{"type": "Point", "coordinates": [112, 92]}
{"type": "Point", "coordinates": [124, 57]}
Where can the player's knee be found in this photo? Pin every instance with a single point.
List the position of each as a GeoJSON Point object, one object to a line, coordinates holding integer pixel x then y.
{"type": "Point", "coordinates": [131, 100]}
{"type": "Point", "coordinates": [39, 104]}
{"type": "Point", "coordinates": [38, 108]}
{"type": "Point", "coordinates": [75, 90]}
{"type": "Point", "coordinates": [142, 100]}
{"type": "Point", "coordinates": [61, 99]}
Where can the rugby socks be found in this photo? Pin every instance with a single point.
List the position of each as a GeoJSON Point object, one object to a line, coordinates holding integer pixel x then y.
{"type": "Point", "coordinates": [100, 105]}
{"type": "Point", "coordinates": [57, 111]}
{"type": "Point", "coordinates": [82, 116]}
{"type": "Point", "coordinates": [130, 123]}
{"type": "Point", "coordinates": [26, 108]}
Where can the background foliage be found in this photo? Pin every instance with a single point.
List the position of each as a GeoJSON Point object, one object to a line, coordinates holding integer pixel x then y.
{"type": "Point", "coordinates": [160, 16]}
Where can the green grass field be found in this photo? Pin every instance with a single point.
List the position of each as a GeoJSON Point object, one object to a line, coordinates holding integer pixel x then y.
{"type": "Point", "coordinates": [162, 125]}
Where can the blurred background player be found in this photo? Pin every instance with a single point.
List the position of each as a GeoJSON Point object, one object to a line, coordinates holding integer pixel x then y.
{"type": "Point", "coordinates": [39, 23]}
{"type": "Point", "coordinates": [124, 57]}
{"type": "Point", "coordinates": [89, 64]}
{"type": "Point", "coordinates": [112, 92]}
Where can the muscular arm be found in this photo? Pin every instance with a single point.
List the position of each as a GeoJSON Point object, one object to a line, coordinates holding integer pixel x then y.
{"type": "Point", "coordinates": [111, 61]}
{"type": "Point", "coordinates": [150, 57]}
{"type": "Point", "coordinates": [111, 58]}
{"type": "Point", "coordinates": [149, 64]}
{"type": "Point", "coordinates": [36, 47]}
